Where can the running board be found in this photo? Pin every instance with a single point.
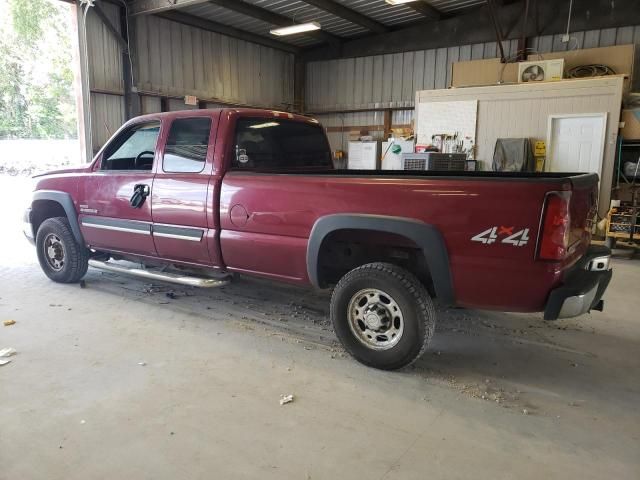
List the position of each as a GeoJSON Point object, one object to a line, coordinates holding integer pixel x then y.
{"type": "Point", "coordinates": [161, 276]}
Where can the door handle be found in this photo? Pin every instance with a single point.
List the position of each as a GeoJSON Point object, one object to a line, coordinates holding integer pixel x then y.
{"type": "Point", "coordinates": [140, 193]}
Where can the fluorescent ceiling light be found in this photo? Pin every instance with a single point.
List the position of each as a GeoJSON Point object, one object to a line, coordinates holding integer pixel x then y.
{"type": "Point", "coordinates": [398, 2]}
{"type": "Point", "coordinates": [265, 125]}
{"type": "Point", "coordinates": [297, 28]}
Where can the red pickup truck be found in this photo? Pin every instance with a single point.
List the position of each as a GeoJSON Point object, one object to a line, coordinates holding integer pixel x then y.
{"type": "Point", "coordinates": [195, 196]}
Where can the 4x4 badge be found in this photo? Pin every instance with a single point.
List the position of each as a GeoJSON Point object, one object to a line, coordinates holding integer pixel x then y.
{"type": "Point", "coordinates": [492, 235]}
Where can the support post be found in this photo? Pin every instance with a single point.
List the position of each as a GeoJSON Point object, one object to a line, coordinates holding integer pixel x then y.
{"type": "Point", "coordinates": [81, 84]}
{"type": "Point", "coordinates": [497, 28]}
{"type": "Point", "coordinates": [299, 80]}
{"type": "Point", "coordinates": [522, 41]}
{"type": "Point", "coordinates": [387, 124]}
{"type": "Point", "coordinates": [132, 101]}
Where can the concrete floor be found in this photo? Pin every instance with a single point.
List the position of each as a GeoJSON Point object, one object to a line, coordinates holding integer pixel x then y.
{"type": "Point", "coordinates": [497, 396]}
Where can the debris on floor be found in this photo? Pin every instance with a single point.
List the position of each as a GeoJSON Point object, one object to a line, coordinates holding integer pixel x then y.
{"type": "Point", "coordinates": [83, 284]}
{"type": "Point", "coordinates": [284, 399]}
{"type": "Point", "coordinates": [171, 295]}
{"type": "Point", "coordinates": [142, 364]}
{"type": "Point", "coordinates": [8, 323]}
{"type": "Point", "coordinates": [5, 353]}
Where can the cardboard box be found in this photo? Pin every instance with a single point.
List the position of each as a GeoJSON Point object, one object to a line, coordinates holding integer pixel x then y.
{"type": "Point", "coordinates": [631, 119]}
{"type": "Point", "coordinates": [475, 73]}
{"type": "Point", "coordinates": [492, 72]}
{"type": "Point", "coordinates": [619, 58]}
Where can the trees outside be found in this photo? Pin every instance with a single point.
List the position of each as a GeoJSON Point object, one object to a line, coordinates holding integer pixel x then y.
{"type": "Point", "coordinates": [36, 81]}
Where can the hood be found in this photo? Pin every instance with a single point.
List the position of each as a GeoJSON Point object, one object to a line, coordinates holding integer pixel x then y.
{"type": "Point", "coordinates": [84, 168]}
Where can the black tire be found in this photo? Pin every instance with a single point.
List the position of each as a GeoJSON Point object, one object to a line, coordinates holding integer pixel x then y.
{"type": "Point", "coordinates": [405, 290]}
{"type": "Point", "coordinates": [72, 263]}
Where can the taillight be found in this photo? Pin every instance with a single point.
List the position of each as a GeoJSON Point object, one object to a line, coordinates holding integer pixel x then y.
{"type": "Point", "coordinates": [554, 238]}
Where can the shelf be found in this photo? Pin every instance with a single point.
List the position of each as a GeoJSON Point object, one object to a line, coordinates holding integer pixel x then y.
{"type": "Point", "coordinates": [636, 235]}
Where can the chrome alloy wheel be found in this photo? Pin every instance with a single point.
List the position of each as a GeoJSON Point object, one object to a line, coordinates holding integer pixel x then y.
{"type": "Point", "coordinates": [375, 319]}
{"type": "Point", "coordinates": [54, 251]}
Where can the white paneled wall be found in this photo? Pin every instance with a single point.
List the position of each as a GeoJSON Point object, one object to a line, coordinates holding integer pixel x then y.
{"type": "Point", "coordinates": [523, 111]}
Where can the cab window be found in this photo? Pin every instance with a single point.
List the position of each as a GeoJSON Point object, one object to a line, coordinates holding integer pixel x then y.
{"type": "Point", "coordinates": [186, 148]}
{"type": "Point", "coordinates": [276, 144]}
{"type": "Point", "coordinates": [133, 149]}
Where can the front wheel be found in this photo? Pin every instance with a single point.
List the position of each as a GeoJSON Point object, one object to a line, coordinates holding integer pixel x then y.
{"type": "Point", "coordinates": [60, 256]}
{"type": "Point", "coordinates": [383, 315]}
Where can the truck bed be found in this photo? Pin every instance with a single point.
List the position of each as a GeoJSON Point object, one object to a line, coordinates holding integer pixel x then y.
{"type": "Point", "coordinates": [461, 205]}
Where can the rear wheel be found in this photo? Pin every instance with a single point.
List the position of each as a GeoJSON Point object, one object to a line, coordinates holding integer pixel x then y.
{"type": "Point", "coordinates": [383, 315]}
{"type": "Point", "coordinates": [60, 256]}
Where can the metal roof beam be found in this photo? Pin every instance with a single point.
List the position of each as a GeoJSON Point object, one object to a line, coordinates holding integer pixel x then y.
{"type": "Point", "coordinates": [204, 24]}
{"type": "Point", "coordinates": [476, 27]}
{"type": "Point", "coordinates": [145, 7]}
{"type": "Point", "coordinates": [348, 14]}
{"type": "Point", "coordinates": [273, 18]}
{"type": "Point", "coordinates": [426, 9]}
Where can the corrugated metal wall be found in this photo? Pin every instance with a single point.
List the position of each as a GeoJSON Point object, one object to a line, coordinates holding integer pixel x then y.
{"type": "Point", "coordinates": [390, 81]}
{"type": "Point", "coordinates": [387, 81]}
{"type": "Point", "coordinates": [175, 59]}
{"type": "Point", "coordinates": [105, 76]}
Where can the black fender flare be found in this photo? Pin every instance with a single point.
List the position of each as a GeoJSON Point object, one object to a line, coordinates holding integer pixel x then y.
{"type": "Point", "coordinates": [426, 236]}
{"type": "Point", "coordinates": [66, 202]}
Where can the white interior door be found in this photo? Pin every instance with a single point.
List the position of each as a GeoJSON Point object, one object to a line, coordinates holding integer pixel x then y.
{"type": "Point", "coordinates": [576, 143]}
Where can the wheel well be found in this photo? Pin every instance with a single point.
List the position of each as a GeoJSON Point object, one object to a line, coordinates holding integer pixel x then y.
{"type": "Point", "coordinates": [343, 250]}
{"type": "Point", "coordinates": [43, 209]}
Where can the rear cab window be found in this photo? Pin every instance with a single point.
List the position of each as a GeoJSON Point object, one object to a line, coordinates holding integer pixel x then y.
{"type": "Point", "coordinates": [275, 144]}
{"type": "Point", "coordinates": [186, 147]}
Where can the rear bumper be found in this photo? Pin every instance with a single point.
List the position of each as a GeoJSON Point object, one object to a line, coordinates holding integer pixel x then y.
{"type": "Point", "coordinates": [583, 286]}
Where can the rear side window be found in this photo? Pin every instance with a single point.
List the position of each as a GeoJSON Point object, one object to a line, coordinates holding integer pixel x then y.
{"type": "Point", "coordinates": [186, 148]}
{"type": "Point", "coordinates": [274, 144]}
{"type": "Point", "coordinates": [132, 149]}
